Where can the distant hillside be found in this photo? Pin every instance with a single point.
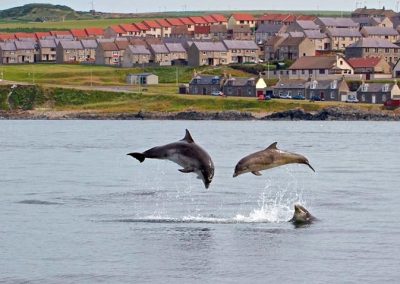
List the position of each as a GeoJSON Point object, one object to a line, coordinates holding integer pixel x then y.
{"type": "Point", "coordinates": [39, 13]}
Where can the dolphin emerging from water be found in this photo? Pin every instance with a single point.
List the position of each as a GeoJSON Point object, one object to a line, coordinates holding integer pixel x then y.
{"type": "Point", "coordinates": [185, 153]}
{"type": "Point", "coordinates": [301, 216]}
{"type": "Point", "coordinates": [269, 158]}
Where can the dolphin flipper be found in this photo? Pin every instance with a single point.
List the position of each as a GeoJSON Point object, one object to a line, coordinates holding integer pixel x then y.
{"type": "Point", "coordinates": [139, 156]}
{"type": "Point", "coordinates": [256, 173]}
{"type": "Point", "coordinates": [186, 170]}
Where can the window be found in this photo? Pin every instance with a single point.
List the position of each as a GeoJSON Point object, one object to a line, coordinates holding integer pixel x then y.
{"type": "Point", "coordinates": [333, 95]}
{"type": "Point", "coordinates": [363, 97]}
{"type": "Point", "coordinates": [387, 50]}
{"type": "Point", "coordinates": [367, 49]}
{"type": "Point", "coordinates": [293, 72]}
{"type": "Point", "coordinates": [334, 84]}
{"type": "Point", "coordinates": [321, 71]}
{"type": "Point", "coordinates": [376, 50]}
{"type": "Point", "coordinates": [383, 98]}
{"type": "Point", "coordinates": [314, 84]}
{"type": "Point", "coordinates": [303, 72]}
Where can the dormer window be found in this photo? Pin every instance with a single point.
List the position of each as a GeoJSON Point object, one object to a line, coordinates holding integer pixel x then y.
{"type": "Point", "coordinates": [334, 84]}
{"type": "Point", "coordinates": [314, 84]}
{"type": "Point", "coordinates": [385, 88]}
{"type": "Point", "coordinates": [364, 87]}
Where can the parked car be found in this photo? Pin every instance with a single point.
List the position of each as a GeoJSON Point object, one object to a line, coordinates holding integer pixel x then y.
{"type": "Point", "coordinates": [285, 96]}
{"type": "Point", "coordinates": [351, 99]}
{"type": "Point", "coordinates": [392, 104]}
{"type": "Point", "coordinates": [298, 97]}
{"type": "Point", "coordinates": [315, 98]}
{"type": "Point", "coordinates": [217, 93]}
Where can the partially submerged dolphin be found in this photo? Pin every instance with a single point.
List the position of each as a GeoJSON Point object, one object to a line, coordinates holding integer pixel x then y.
{"type": "Point", "coordinates": [269, 158]}
{"type": "Point", "coordinates": [301, 216]}
{"type": "Point", "coordinates": [185, 153]}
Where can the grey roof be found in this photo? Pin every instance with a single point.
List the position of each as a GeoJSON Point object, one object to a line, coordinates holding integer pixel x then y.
{"type": "Point", "coordinates": [205, 79]}
{"type": "Point", "coordinates": [291, 84]}
{"type": "Point", "coordinates": [307, 25]}
{"type": "Point", "coordinates": [89, 43]}
{"type": "Point", "coordinates": [138, 49]}
{"type": "Point", "coordinates": [338, 22]}
{"type": "Point", "coordinates": [105, 40]}
{"type": "Point", "coordinates": [362, 20]}
{"type": "Point", "coordinates": [373, 43]}
{"type": "Point", "coordinates": [25, 44]}
{"type": "Point", "coordinates": [344, 32]}
{"type": "Point", "coordinates": [175, 47]}
{"type": "Point", "coordinates": [381, 31]}
{"type": "Point", "coordinates": [142, 74]}
{"type": "Point", "coordinates": [375, 87]}
{"type": "Point", "coordinates": [47, 43]}
{"type": "Point", "coordinates": [240, 44]}
{"type": "Point", "coordinates": [7, 46]}
{"type": "Point", "coordinates": [325, 84]}
{"type": "Point", "coordinates": [269, 28]}
{"type": "Point", "coordinates": [159, 48]}
{"type": "Point", "coordinates": [210, 46]}
{"type": "Point", "coordinates": [314, 34]}
{"type": "Point", "coordinates": [296, 34]}
{"type": "Point", "coordinates": [238, 81]}
{"type": "Point", "coordinates": [70, 44]}
{"type": "Point", "coordinates": [292, 41]}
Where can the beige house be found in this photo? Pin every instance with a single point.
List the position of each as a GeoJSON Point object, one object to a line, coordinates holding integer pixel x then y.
{"type": "Point", "coordinates": [70, 51]}
{"type": "Point", "coordinates": [90, 46]}
{"type": "Point", "coordinates": [340, 38]}
{"type": "Point", "coordinates": [165, 27]}
{"type": "Point", "coordinates": [107, 53]}
{"type": "Point", "coordinates": [177, 51]}
{"type": "Point", "coordinates": [47, 50]}
{"type": "Point", "coordinates": [271, 47]}
{"type": "Point", "coordinates": [160, 54]}
{"type": "Point", "coordinates": [155, 28]}
{"type": "Point", "coordinates": [242, 51]}
{"type": "Point", "coordinates": [387, 33]}
{"type": "Point", "coordinates": [302, 25]}
{"type": "Point", "coordinates": [383, 22]}
{"type": "Point", "coordinates": [26, 51]}
{"type": "Point", "coordinates": [369, 65]}
{"type": "Point", "coordinates": [369, 47]}
{"type": "Point", "coordinates": [136, 55]}
{"type": "Point", "coordinates": [8, 53]}
{"type": "Point", "coordinates": [241, 32]}
{"type": "Point", "coordinates": [241, 19]}
{"type": "Point", "coordinates": [335, 23]}
{"type": "Point", "coordinates": [207, 53]}
{"type": "Point", "coordinates": [320, 40]}
{"type": "Point", "coordinates": [295, 47]}
{"type": "Point", "coordinates": [319, 67]}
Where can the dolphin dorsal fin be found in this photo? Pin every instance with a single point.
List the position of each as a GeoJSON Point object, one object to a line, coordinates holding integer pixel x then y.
{"type": "Point", "coordinates": [272, 146]}
{"type": "Point", "coordinates": [188, 138]}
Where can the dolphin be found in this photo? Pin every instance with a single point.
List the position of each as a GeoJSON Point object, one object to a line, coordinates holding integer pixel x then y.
{"type": "Point", "coordinates": [301, 216]}
{"type": "Point", "coordinates": [269, 158]}
{"type": "Point", "coordinates": [185, 153]}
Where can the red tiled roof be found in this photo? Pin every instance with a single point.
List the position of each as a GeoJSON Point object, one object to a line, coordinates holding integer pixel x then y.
{"type": "Point", "coordinates": [219, 17]}
{"type": "Point", "coordinates": [198, 20]}
{"type": "Point", "coordinates": [364, 62]}
{"type": "Point", "coordinates": [7, 36]}
{"type": "Point", "coordinates": [243, 17]}
{"type": "Point", "coordinates": [289, 19]}
{"type": "Point", "coordinates": [94, 31]}
{"type": "Point", "coordinates": [174, 22]}
{"type": "Point", "coordinates": [24, 35]}
{"type": "Point", "coordinates": [141, 26]}
{"type": "Point", "coordinates": [202, 29]}
{"type": "Point", "coordinates": [129, 28]}
{"type": "Point", "coordinates": [186, 21]}
{"type": "Point", "coordinates": [60, 33]}
{"type": "Point", "coordinates": [306, 17]}
{"type": "Point", "coordinates": [152, 24]}
{"type": "Point", "coordinates": [41, 35]}
{"type": "Point", "coordinates": [78, 32]}
{"type": "Point", "coordinates": [117, 29]}
{"type": "Point", "coordinates": [210, 19]}
{"type": "Point", "coordinates": [163, 23]}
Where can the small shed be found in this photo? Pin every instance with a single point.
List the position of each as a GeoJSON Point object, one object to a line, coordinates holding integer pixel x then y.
{"type": "Point", "coordinates": [142, 79]}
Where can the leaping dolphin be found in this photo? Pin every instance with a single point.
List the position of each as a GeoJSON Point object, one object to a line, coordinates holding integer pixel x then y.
{"type": "Point", "coordinates": [185, 153]}
{"type": "Point", "coordinates": [269, 158]}
{"type": "Point", "coordinates": [301, 216]}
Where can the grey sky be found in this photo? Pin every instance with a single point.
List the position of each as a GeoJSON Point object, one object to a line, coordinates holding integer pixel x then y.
{"type": "Point", "coordinates": [181, 5]}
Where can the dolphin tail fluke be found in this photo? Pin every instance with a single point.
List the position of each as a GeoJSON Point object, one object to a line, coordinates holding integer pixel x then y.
{"type": "Point", "coordinates": [139, 156]}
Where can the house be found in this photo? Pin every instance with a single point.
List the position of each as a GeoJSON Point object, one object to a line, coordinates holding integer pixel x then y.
{"type": "Point", "coordinates": [136, 55]}
{"type": "Point", "coordinates": [266, 31]}
{"type": "Point", "coordinates": [327, 90]}
{"type": "Point", "coordinates": [383, 22]}
{"type": "Point", "coordinates": [271, 47]}
{"type": "Point", "coordinates": [340, 38]}
{"type": "Point", "coordinates": [155, 28]}
{"type": "Point", "coordinates": [295, 47]}
{"type": "Point", "coordinates": [319, 67]}
{"type": "Point", "coordinates": [47, 50]}
{"type": "Point", "coordinates": [25, 36]}
{"type": "Point", "coordinates": [287, 87]}
{"type": "Point", "coordinates": [202, 32]}
{"type": "Point", "coordinates": [78, 34]}
{"type": "Point", "coordinates": [207, 53]}
{"type": "Point", "coordinates": [142, 79]}
{"type": "Point", "coordinates": [180, 31]}
{"type": "Point", "coordinates": [333, 23]}
{"type": "Point", "coordinates": [302, 25]}
{"type": "Point", "coordinates": [143, 30]}
{"type": "Point", "coordinates": [320, 40]}
{"type": "Point", "coordinates": [387, 33]}
{"type": "Point", "coordinates": [396, 69]}
{"type": "Point", "coordinates": [199, 21]}
{"type": "Point", "coordinates": [26, 51]}
{"type": "Point", "coordinates": [69, 51]}
{"type": "Point", "coordinates": [365, 12]}
{"type": "Point", "coordinates": [114, 32]}
{"type": "Point", "coordinates": [160, 54]}
{"type": "Point", "coordinates": [220, 19]}
{"type": "Point", "coordinates": [240, 87]}
{"type": "Point", "coordinates": [240, 32]}
{"type": "Point", "coordinates": [218, 32]}
{"type": "Point", "coordinates": [377, 93]}
{"type": "Point", "coordinates": [42, 35]}
{"type": "Point", "coordinates": [8, 52]}
{"type": "Point", "coordinates": [241, 51]}
{"type": "Point", "coordinates": [130, 30]}
{"type": "Point", "coordinates": [241, 19]}
{"type": "Point", "coordinates": [95, 32]}
{"type": "Point", "coordinates": [188, 23]}
{"type": "Point", "coordinates": [369, 65]}
{"type": "Point", "coordinates": [107, 53]}
{"type": "Point", "coordinates": [369, 47]}
{"type": "Point", "coordinates": [61, 34]}
{"type": "Point", "coordinates": [276, 19]}
{"type": "Point", "coordinates": [205, 84]}
{"type": "Point", "coordinates": [89, 46]}
{"type": "Point", "coordinates": [177, 52]}
{"type": "Point", "coordinates": [165, 28]}
{"type": "Point", "coordinates": [210, 20]}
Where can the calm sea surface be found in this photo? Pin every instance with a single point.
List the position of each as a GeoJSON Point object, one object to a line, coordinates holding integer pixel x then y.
{"type": "Point", "coordinates": [75, 209]}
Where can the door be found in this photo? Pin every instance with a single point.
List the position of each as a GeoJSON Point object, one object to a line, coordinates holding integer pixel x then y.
{"type": "Point", "coordinates": [373, 99]}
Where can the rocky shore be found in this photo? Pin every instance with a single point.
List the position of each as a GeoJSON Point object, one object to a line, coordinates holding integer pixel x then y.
{"type": "Point", "coordinates": [329, 113]}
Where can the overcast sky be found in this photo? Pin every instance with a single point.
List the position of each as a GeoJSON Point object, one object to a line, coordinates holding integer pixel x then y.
{"type": "Point", "coordinates": [191, 5]}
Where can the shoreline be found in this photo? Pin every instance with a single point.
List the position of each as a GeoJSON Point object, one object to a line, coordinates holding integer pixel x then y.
{"type": "Point", "coordinates": [328, 113]}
